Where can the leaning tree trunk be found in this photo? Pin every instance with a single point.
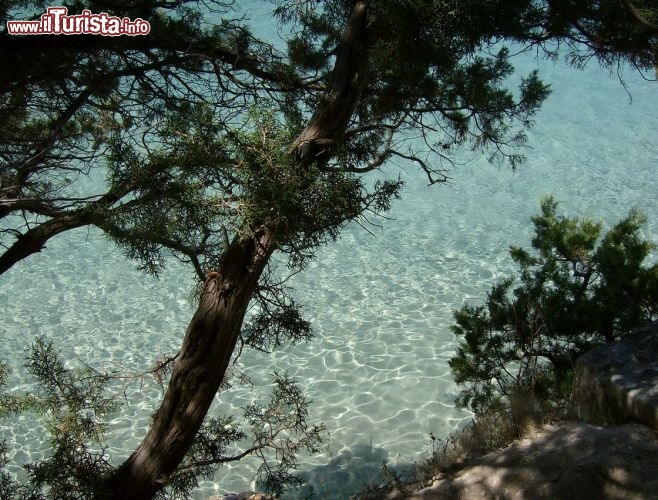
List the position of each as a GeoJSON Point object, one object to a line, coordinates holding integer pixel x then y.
{"type": "Point", "coordinates": [203, 360]}
{"type": "Point", "coordinates": [215, 327]}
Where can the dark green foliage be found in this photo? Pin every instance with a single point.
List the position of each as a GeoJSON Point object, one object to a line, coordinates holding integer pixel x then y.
{"type": "Point", "coordinates": [208, 180]}
{"type": "Point", "coordinates": [423, 70]}
{"type": "Point", "coordinates": [269, 328]}
{"type": "Point", "coordinates": [164, 119]}
{"type": "Point", "coordinates": [73, 403]}
{"type": "Point", "coordinates": [9, 488]}
{"type": "Point", "coordinates": [574, 290]}
{"type": "Point", "coordinates": [307, 206]}
{"type": "Point", "coordinates": [281, 425]}
{"type": "Point", "coordinates": [11, 404]}
{"type": "Point", "coordinates": [193, 129]}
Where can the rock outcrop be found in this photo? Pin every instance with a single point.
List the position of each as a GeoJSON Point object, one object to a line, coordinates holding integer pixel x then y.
{"type": "Point", "coordinates": [569, 461]}
{"type": "Point", "coordinates": [618, 382]}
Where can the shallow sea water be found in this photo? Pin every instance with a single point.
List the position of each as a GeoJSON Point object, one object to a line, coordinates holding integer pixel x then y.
{"type": "Point", "coordinates": [380, 305]}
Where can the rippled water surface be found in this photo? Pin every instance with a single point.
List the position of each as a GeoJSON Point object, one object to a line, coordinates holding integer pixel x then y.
{"type": "Point", "coordinates": [380, 304]}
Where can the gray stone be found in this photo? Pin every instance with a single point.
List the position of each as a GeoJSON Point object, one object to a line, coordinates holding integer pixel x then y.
{"type": "Point", "coordinates": [566, 461]}
{"type": "Point", "coordinates": [618, 382]}
{"type": "Point", "coordinates": [247, 495]}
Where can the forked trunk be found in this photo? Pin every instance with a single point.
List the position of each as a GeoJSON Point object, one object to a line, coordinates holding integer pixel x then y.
{"type": "Point", "coordinates": [198, 372]}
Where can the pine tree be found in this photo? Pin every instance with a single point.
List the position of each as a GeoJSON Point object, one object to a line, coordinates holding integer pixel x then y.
{"type": "Point", "coordinates": [220, 149]}
{"type": "Point", "coordinates": [575, 290]}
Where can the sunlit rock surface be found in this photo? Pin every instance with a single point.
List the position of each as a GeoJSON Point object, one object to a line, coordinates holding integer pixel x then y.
{"type": "Point", "coordinates": [572, 460]}
{"type": "Point", "coordinates": [618, 382]}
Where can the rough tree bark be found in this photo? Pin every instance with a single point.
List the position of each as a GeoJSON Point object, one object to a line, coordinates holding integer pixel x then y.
{"type": "Point", "coordinates": [327, 126]}
{"type": "Point", "coordinates": [204, 358]}
{"type": "Point", "coordinates": [215, 327]}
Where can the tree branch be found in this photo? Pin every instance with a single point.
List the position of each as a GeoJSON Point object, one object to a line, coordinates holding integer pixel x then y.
{"type": "Point", "coordinates": [639, 17]}
{"type": "Point", "coordinates": [326, 128]}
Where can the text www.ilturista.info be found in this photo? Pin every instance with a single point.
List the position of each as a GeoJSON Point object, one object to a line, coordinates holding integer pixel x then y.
{"type": "Point", "coordinates": [57, 22]}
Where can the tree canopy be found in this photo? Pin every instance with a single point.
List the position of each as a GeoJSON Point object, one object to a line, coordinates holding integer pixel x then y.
{"type": "Point", "coordinates": [205, 142]}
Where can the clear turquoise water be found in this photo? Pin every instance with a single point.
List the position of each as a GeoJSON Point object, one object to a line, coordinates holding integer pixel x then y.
{"type": "Point", "coordinates": [380, 305]}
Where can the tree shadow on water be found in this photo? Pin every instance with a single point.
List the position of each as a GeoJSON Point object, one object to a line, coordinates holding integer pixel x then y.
{"type": "Point", "coordinates": [351, 471]}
